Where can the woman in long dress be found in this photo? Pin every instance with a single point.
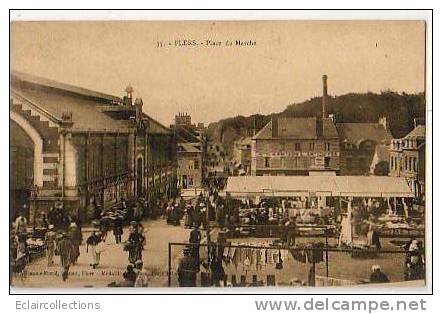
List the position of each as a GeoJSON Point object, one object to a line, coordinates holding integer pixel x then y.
{"type": "Point", "coordinates": [346, 236]}
{"type": "Point", "coordinates": [92, 243]}
{"type": "Point", "coordinates": [135, 246]}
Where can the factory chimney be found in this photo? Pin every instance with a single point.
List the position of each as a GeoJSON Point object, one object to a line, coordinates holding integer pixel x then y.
{"type": "Point", "coordinates": [324, 96]}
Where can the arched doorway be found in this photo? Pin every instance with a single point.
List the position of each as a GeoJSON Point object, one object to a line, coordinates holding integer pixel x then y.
{"type": "Point", "coordinates": [21, 170]}
{"type": "Point", "coordinates": [139, 176]}
{"type": "Point", "coordinates": [35, 137]}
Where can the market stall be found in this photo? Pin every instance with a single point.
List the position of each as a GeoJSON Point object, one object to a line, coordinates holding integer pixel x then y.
{"type": "Point", "coordinates": [320, 200]}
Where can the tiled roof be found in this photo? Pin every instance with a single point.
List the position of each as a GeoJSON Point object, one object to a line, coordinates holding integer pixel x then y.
{"type": "Point", "coordinates": [418, 131]}
{"type": "Point", "coordinates": [355, 133]}
{"type": "Point", "coordinates": [85, 105]}
{"type": "Point", "coordinates": [298, 128]}
{"type": "Point", "coordinates": [17, 78]}
{"type": "Point", "coordinates": [185, 134]}
{"type": "Point", "coordinates": [189, 147]}
{"type": "Point", "coordinates": [86, 114]}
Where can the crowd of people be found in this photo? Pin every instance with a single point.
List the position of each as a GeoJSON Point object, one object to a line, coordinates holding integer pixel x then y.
{"type": "Point", "coordinates": [63, 236]}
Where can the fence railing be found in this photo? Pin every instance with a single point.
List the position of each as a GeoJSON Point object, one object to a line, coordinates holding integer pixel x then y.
{"type": "Point", "coordinates": [307, 264]}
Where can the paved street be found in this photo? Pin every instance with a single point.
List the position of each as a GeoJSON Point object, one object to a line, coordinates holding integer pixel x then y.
{"type": "Point", "coordinates": [113, 261]}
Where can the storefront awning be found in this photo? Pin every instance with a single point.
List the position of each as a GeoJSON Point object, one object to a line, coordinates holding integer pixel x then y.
{"type": "Point", "coordinates": [292, 186]}
{"type": "Point", "coordinates": [372, 186]}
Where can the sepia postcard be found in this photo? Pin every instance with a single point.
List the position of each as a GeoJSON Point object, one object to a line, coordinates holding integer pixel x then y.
{"type": "Point", "coordinates": [221, 154]}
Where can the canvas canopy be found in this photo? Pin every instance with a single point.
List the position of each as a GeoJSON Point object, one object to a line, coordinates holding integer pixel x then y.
{"type": "Point", "coordinates": [289, 186]}
{"type": "Point", "coordinates": [191, 193]}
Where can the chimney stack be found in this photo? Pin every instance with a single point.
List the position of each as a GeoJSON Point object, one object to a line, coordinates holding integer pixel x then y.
{"type": "Point", "coordinates": [324, 96]}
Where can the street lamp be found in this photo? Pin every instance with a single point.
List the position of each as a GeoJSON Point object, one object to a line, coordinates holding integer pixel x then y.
{"type": "Point", "coordinates": [206, 195]}
{"type": "Point", "coordinates": [34, 194]}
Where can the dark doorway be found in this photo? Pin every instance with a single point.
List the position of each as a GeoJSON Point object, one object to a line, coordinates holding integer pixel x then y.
{"type": "Point", "coordinates": [327, 162]}
{"type": "Point", "coordinates": [140, 176]}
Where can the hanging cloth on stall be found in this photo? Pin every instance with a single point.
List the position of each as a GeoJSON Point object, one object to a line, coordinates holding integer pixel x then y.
{"type": "Point", "coordinates": [315, 255]}
{"type": "Point", "coordinates": [279, 263]}
{"type": "Point", "coordinates": [298, 255]}
{"type": "Point", "coordinates": [310, 253]}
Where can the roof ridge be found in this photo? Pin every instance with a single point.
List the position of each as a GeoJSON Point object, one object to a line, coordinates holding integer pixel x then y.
{"type": "Point", "coordinates": [37, 107]}
{"type": "Point", "coordinates": [42, 81]}
{"type": "Point", "coordinates": [262, 130]}
{"type": "Point", "coordinates": [156, 121]}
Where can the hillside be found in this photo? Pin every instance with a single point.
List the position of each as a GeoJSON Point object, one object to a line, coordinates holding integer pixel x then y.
{"type": "Point", "coordinates": [400, 109]}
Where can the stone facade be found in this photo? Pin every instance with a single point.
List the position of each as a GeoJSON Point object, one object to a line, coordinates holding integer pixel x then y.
{"type": "Point", "coordinates": [295, 146]}
{"type": "Point", "coordinates": [190, 165]}
{"type": "Point", "coordinates": [358, 142]}
{"type": "Point", "coordinates": [407, 159]}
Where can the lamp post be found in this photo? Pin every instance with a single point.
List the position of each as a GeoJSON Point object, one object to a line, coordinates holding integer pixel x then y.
{"type": "Point", "coordinates": [34, 194]}
{"type": "Point", "coordinates": [206, 195]}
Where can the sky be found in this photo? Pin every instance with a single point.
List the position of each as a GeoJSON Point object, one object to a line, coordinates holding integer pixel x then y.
{"type": "Point", "coordinates": [285, 65]}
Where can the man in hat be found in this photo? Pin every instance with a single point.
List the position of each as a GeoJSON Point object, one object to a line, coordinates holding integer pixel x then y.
{"type": "Point", "coordinates": [290, 231]}
{"type": "Point", "coordinates": [188, 221]}
{"type": "Point", "coordinates": [75, 235]}
{"type": "Point", "coordinates": [195, 238]}
{"type": "Point", "coordinates": [187, 269]}
{"type": "Point", "coordinates": [377, 276]}
{"type": "Point", "coordinates": [65, 250]}
{"type": "Point", "coordinates": [169, 213]}
{"type": "Point", "coordinates": [197, 219]}
{"type": "Point", "coordinates": [195, 235]}
{"type": "Point", "coordinates": [415, 268]}
{"type": "Point", "coordinates": [118, 228]}
{"type": "Point", "coordinates": [176, 214]}
{"type": "Point", "coordinates": [50, 239]}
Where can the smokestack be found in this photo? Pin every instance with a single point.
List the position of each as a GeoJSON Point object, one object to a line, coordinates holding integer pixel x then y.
{"type": "Point", "coordinates": [324, 96]}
